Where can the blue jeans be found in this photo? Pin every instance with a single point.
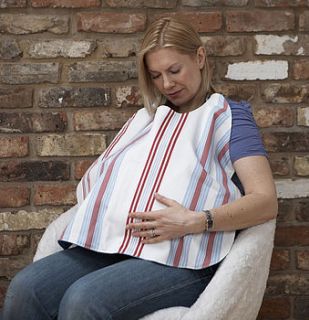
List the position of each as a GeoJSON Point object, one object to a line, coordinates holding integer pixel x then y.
{"type": "Point", "coordinates": [80, 284]}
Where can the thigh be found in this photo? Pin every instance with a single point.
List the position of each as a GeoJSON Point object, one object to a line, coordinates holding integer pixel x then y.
{"type": "Point", "coordinates": [48, 279]}
{"type": "Point", "coordinates": [131, 289]}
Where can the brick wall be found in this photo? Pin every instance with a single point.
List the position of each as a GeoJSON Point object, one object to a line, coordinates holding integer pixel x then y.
{"type": "Point", "coordinates": [68, 83]}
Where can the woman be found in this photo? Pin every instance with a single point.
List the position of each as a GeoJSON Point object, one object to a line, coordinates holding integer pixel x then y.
{"type": "Point", "coordinates": [158, 210]}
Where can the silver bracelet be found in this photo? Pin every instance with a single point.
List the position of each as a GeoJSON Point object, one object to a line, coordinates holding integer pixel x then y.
{"type": "Point", "coordinates": [209, 222]}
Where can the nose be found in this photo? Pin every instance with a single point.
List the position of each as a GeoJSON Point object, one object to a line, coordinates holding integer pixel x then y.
{"type": "Point", "coordinates": [168, 83]}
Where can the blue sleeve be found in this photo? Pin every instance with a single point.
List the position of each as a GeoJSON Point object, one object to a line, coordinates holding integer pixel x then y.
{"type": "Point", "coordinates": [245, 138]}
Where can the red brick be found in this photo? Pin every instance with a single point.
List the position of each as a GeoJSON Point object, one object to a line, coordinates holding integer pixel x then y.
{"type": "Point", "coordinates": [236, 92]}
{"type": "Point", "coordinates": [286, 141]}
{"type": "Point", "coordinates": [33, 122]}
{"type": "Point", "coordinates": [292, 236]}
{"type": "Point", "coordinates": [15, 98]}
{"type": "Point", "coordinates": [225, 45]}
{"type": "Point", "coordinates": [33, 170]}
{"type": "Point", "coordinates": [61, 194]}
{"type": "Point", "coordinates": [101, 120]}
{"type": "Point", "coordinates": [288, 284]}
{"type": "Point", "coordinates": [280, 165]}
{"type": "Point", "coordinates": [302, 210]}
{"type": "Point", "coordinates": [285, 211]}
{"type": "Point", "coordinates": [280, 259]}
{"type": "Point", "coordinates": [164, 4]}
{"type": "Point", "coordinates": [3, 288]}
{"type": "Point", "coordinates": [81, 167]}
{"type": "Point", "coordinates": [14, 197]}
{"type": "Point", "coordinates": [108, 22]}
{"type": "Point", "coordinates": [301, 308]}
{"type": "Point", "coordinates": [13, 4]}
{"type": "Point", "coordinates": [13, 244]}
{"type": "Point", "coordinates": [301, 69]}
{"type": "Point", "coordinates": [281, 3]}
{"type": "Point", "coordinates": [201, 21]}
{"type": "Point", "coordinates": [302, 259]}
{"type": "Point", "coordinates": [304, 21]}
{"type": "Point", "coordinates": [65, 3]}
{"type": "Point", "coordinates": [285, 93]}
{"type": "Point", "coordinates": [274, 116]}
{"type": "Point", "coordinates": [13, 146]}
{"type": "Point", "coordinates": [275, 308]}
{"type": "Point", "coordinates": [259, 20]}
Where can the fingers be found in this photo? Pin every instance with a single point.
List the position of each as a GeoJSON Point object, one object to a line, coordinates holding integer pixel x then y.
{"type": "Point", "coordinates": [164, 200]}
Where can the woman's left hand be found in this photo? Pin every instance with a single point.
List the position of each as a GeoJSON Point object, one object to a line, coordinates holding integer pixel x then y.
{"type": "Point", "coordinates": [172, 222]}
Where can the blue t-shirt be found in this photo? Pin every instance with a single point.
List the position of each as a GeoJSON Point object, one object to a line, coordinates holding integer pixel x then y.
{"type": "Point", "coordinates": [245, 137]}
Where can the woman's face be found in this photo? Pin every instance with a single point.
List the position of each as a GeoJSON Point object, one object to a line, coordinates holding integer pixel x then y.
{"type": "Point", "coordinates": [176, 75]}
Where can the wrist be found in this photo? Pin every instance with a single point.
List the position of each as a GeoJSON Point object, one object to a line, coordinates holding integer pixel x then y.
{"type": "Point", "coordinates": [208, 220]}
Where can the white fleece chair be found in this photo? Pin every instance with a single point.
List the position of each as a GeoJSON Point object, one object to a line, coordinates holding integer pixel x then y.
{"type": "Point", "coordinates": [235, 292]}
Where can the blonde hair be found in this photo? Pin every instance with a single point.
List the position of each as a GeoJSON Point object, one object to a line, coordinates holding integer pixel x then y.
{"type": "Point", "coordinates": [168, 32]}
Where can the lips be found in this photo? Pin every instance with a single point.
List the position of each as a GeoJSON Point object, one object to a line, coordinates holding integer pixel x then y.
{"type": "Point", "coordinates": [174, 94]}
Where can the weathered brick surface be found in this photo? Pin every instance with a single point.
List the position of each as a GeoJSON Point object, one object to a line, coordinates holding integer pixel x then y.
{"type": "Point", "coordinates": [13, 3]}
{"type": "Point", "coordinates": [9, 49]}
{"type": "Point", "coordinates": [165, 4]}
{"type": "Point", "coordinates": [225, 45]}
{"type": "Point", "coordinates": [27, 220]}
{"type": "Point", "coordinates": [302, 259]}
{"type": "Point", "coordinates": [304, 21]}
{"type": "Point", "coordinates": [201, 21]}
{"type": "Point", "coordinates": [301, 309]}
{"type": "Point", "coordinates": [286, 141]}
{"type": "Point", "coordinates": [301, 70]}
{"type": "Point", "coordinates": [29, 23]}
{"type": "Point", "coordinates": [280, 165]}
{"type": "Point", "coordinates": [302, 210]}
{"type": "Point", "coordinates": [259, 20]}
{"type": "Point", "coordinates": [15, 98]}
{"type": "Point", "coordinates": [284, 44]}
{"type": "Point", "coordinates": [207, 3]}
{"type": "Point", "coordinates": [101, 71]}
{"type": "Point", "coordinates": [55, 195]}
{"type": "Point", "coordinates": [280, 259]}
{"type": "Point", "coordinates": [71, 145]}
{"type": "Point", "coordinates": [301, 165]}
{"type": "Point", "coordinates": [3, 288]}
{"type": "Point", "coordinates": [275, 308]}
{"type": "Point", "coordinates": [101, 120]}
{"type": "Point", "coordinates": [274, 116]}
{"type": "Point", "coordinates": [59, 97]}
{"type": "Point", "coordinates": [33, 170]}
{"type": "Point", "coordinates": [285, 211]}
{"type": "Point", "coordinates": [81, 167]}
{"type": "Point", "coordinates": [109, 22]}
{"type": "Point", "coordinates": [292, 236]}
{"type": "Point", "coordinates": [14, 197]}
{"type": "Point", "coordinates": [235, 91]}
{"type": "Point", "coordinates": [303, 116]}
{"type": "Point", "coordinates": [281, 3]}
{"type": "Point", "coordinates": [27, 73]}
{"type": "Point", "coordinates": [285, 93]}
{"type": "Point", "coordinates": [128, 96]}
{"type": "Point", "coordinates": [61, 48]}
{"type": "Point", "coordinates": [119, 47]}
{"type": "Point", "coordinates": [258, 70]}
{"type": "Point", "coordinates": [295, 284]}
{"type": "Point", "coordinates": [13, 244]}
{"type": "Point", "coordinates": [65, 3]}
{"type": "Point", "coordinates": [14, 146]}
{"type": "Point", "coordinates": [33, 122]}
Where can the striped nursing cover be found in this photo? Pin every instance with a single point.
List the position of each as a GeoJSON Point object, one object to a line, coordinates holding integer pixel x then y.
{"type": "Point", "coordinates": [183, 156]}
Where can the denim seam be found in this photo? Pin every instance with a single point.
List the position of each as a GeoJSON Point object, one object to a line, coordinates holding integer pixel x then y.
{"type": "Point", "coordinates": [157, 294]}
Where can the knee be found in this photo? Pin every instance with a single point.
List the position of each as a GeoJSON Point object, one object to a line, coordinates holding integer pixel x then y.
{"type": "Point", "coordinates": [78, 304]}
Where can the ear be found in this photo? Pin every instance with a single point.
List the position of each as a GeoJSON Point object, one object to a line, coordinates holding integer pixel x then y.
{"type": "Point", "coordinates": [201, 57]}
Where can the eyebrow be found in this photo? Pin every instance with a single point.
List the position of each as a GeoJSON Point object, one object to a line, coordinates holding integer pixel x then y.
{"type": "Point", "coordinates": [170, 67]}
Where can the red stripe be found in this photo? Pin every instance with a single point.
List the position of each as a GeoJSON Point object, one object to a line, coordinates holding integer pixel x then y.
{"type": "Point", "coordinates": [97, 204]}
{"type": "Point", "coordinates": [202, 177]}
{"type": "Point", "coordinates": [143, 178]}
{"type": "Point", "coordinates": [162, 170]}
{"type": "Point", "coordinates": [220, 156]}
{"type": "Point", "coordinates": [210, 245]}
